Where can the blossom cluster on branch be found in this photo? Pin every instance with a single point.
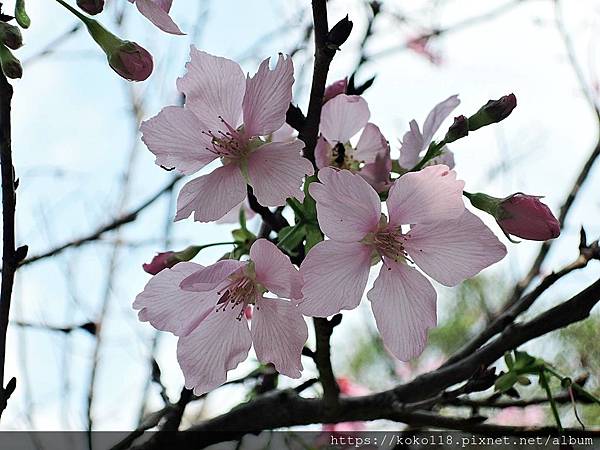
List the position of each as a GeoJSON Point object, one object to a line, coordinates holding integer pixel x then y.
{"type": "Point", "coordinates": [341, 227]}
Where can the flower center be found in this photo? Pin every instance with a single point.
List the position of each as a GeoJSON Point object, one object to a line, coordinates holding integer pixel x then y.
{"type": "Point", "coordinates": [243, 290]}
{"type": "Point", "coordinates": [387, 241]}
{"type": "Point", "coordinates": [342, 157]}
{"type": "Point", "coordinates": [228, 145]}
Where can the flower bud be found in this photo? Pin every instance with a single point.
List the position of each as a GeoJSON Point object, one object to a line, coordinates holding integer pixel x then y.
{"type": "Point", "coordinates": [334, 89]}
{"type": "Point", "coordinates": [166, 260]}
{"type": "Point", "coordinates": [131, 61]}
{"type": "Point", "coordinates": [128, 59]}
{"type": "Point", "coordinates": [339, 33]}
{"type": "Point", "coordinates": [459, 129]}
{"type": "Point", "coordinates": [92, 7]}
{"type": "Point", "coordinates": [11, 66]}
{"type": "Point", "coordinates": [493, 111]}
{"type": "Point", "coordinates": [10, 36]}
{"type": "Point", "coordinates": [520, 215]}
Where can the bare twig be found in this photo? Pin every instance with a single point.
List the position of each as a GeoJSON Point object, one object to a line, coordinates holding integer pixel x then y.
{"type": "Point", "coordinates": [115, 224]}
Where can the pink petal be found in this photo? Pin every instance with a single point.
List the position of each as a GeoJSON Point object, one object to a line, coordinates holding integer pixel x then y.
{"type": "Point", "coordinates": [403, 303]}
{"type": "Point", "coordinates": [437, 115]}
{"type": "Point", "coordinates": [446, 158]}
{"type": "Point", "coordinates": [169, 308]}
{"type": "Point", "coordinates": [285, 133]}
{"type": "Point", "coordinates": [268, 96]}
{"type": "Point", "coordinates": [276, 171]}
{"type": "Point", "coordinates": [213, 87]}
{"type": "Point", "coordinates": [209, 278]}
{"type": "Point", "coordinates": [334, 275]}
{"type": "Point", "coordinates": [233, 216]}
{"type": "Point", "coordinates": [370, 144]}
{"type": "Point", "coordinates": [174, 137]}
{"type": "Point", "coordinates": [323, 153]}
{"type": "Point", "coordinates": [153, 10]}
{"type": "Point", "coordinates": [347, 207]}
{"type": "Point", "coordinates": [279, 333]}
{"type": "Point", "coordinates": [454, 250]}
{"type": "Point", "coordinates": [212, 196]}
{"type": "Point", "coordinates": [334, 89]}
{"type": "Point", "coordinates": [377, 174]}
{"type": "Point", "coordinates": [274, 270]}
{"type": "Point", "coordinates": [343, 116]}
{"type": "Point", "coordinates": [432, 194]}
{"type": "Point", "coordinates": [219, 344]}
{"type": "Point", "coordinates": [411, 146]}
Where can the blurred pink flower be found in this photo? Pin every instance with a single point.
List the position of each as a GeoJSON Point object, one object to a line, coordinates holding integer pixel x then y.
{"type": "Point", "coordinates": [420, 45]}
{"type": "Point", "coordinates": [415, 142]}
{"type": "Point", "coordinates": [341, 119]}
{"type": "Point", "coordinates": [225, 117]}
{"type": "Point", "coordinates": [207, 308]}
{"type": "Point", "coordinates": [350, 389]}
{"type": "Point", "coordinates": [157, 12]}
{"type": "Point", "coordinates": [530, 416]}
{"type": "Point", "coordinates": [445, 240]}
{"type": "Point", "coordinates": [406, 371]}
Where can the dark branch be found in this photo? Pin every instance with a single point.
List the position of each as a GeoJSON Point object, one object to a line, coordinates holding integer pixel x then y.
{"type": "Point", "coordinates": [10, 261]}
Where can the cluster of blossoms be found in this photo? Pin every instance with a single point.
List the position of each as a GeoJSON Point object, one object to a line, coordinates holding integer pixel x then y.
{"type": "Point", "coordinates": [424, 230]}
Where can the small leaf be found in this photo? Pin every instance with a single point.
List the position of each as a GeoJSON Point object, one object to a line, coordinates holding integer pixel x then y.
{"type": "Point", "coordinates": [505, 382]}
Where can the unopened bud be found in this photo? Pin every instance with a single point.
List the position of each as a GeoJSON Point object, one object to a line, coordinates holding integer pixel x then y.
{"type": "Point", "coordinates": [520, 215]}
{"type": "Point", "coordinates": [493, 111]}
{"type": "Point", "coordinates": [339, 33]}
{"type": "Point", "coordinates": [166, 260]}
{"type": "Point", "coordinates": [11, 66]}
{"type": "Point", "coordinates": [10, 36]}
{"type": "Point", "coordinates": [131, 61]}
{"type": "Point", "coordinates": [458, 129]}
{"type": "Point", "coordinates": [92, 7]}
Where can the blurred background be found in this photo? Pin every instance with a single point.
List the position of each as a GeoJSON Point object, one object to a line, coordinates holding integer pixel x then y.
{"type": "Point", "coordinates": [82, 358]}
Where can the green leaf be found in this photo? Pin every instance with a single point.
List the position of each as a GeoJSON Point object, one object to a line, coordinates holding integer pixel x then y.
{"type": "Point", "coordinates": [508, 359]}
{"type": "Point", "coordinates": [505, 381]}
{"type": "Point", "coordinates": [289, 238]}
{"type": "Point", "coordinates": [313, 236]}
{"type": "Point", "coordinates": [21, 15]}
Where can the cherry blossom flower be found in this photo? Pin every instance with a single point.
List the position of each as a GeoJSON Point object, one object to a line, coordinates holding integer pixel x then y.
{"type": "Point", "coordinates": [207, 308]}
{"type": "Point", "coordinates": [530, 416]}
{"type": "Point", "coordinates": [342, 118]}
{"type": "Point", "coordinates": [157, 12]}
{"type": "Point", "coordinates": [415, 142]}
{"type": "Point", "coordinates": [210, 126]}
{"type": "Point", "coordinates": [444, 240]}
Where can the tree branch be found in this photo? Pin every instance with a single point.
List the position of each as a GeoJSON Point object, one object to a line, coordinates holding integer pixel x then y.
{"type": "Point", "coordinates": [10, 259]}
{"type": "Point", "coordinates": [286, 409]}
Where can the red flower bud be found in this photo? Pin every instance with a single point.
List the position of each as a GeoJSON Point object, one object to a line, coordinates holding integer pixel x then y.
{"type": "Point", "coordinates": [131, 61]}
{"type": "Point", "coordinates": [161, 261]}
{"type": "Point", "coordinates": [521, 215]}
{"type": "Point", "coordinates": [92, 7]}
{"type": "Point", "coordinates": [527, 217]}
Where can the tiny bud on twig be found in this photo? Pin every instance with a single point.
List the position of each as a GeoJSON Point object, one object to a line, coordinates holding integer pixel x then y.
{"type": "Point", "coordinates": [339, 33]}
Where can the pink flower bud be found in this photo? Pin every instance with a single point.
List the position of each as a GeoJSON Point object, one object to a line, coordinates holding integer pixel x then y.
{"type": "Point", "coordinates": [161, 261]}
{"type": "Point", "coordinates": [336, 88]}
{"type": "Point", "coordinates": [92, 7]}
{"type": "Point", "coordinates": [521, 215]}
{"type": "Point", "coordinates": [131, 61]}
{"type": "Point", "coordinates": [527, 217]}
